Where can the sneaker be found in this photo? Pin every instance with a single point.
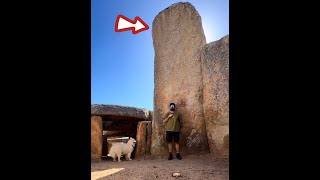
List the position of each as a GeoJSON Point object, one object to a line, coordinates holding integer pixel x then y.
{"type": "Point", "coordinates": [178, 156]}
{"type": "Point", "coordinates": [170, 156]}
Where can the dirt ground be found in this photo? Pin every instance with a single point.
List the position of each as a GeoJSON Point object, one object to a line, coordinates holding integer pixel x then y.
{"type": "Point", "coordinates": [197, 166]}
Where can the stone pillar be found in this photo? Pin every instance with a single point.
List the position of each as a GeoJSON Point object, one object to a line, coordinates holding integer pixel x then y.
{"type": "Point", "coordinates": [96, 138]}
{"type": "Point", "coordinates": [215, 70]}
{"type": "Point", "coordinates": [178, 38]}
{"type": "Point", "coordinates": [143, 138]}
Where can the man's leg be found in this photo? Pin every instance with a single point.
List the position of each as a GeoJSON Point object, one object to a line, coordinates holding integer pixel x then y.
{"type": "Point", "coordinates": [169, 141]}
{"type": "Point", "coordinates": [170, 147]}
{"type": "Point", "coordinates": [177, 139]}
{"type": "Point", "coordinates": [177, 147]}
{"type": "Point", "coordinates": [170, 151]}
{"type": "Point", "coordinates": [177, 151]}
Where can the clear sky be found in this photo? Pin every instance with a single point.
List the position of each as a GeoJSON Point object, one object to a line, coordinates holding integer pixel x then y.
{"type": "Point", "coordinates": [122, 64]}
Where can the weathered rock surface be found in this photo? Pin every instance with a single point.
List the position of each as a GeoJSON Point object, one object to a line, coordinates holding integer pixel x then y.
{"type": "Point", "coordinates": [96, 138]}
{"type": "Point", "coordinates": [116, 112]}
{"type": "Point", "coordinates": [178, 39]}
{"type": "Point", "coordinates": [143, 138]}
{"type": "Point", "coordinates": [215, 66]}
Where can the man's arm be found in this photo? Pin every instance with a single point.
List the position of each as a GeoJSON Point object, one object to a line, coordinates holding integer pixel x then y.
{"type": "Point", "coordinates": [167, 118]}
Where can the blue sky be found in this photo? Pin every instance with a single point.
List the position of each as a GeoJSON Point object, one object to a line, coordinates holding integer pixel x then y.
{"type": "Point", "coordinates": [122, 64]}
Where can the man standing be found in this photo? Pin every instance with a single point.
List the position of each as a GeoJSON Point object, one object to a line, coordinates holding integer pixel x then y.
{"type": "Point", "coordinates": [173, 125]}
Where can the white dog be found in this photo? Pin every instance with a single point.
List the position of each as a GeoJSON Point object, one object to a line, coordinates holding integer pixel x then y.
{"type": "Point", "coordinates": [119, 149]}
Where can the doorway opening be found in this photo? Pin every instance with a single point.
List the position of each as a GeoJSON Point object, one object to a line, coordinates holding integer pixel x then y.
{"type": "Point", "coordinates": [115, 131]}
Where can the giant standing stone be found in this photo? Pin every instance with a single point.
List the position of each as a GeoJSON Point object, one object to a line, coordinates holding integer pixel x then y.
{"type": "Point", "coordinates": [96, 138]}
{"type": "Point", "coordinates": [178, 38]}
{"type": "Point", "coordinates": [215, 66]}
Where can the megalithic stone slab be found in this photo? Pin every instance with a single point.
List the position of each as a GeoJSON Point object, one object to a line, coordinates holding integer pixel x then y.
{"type": "Point", "coordinates": [215, 65]}
{"type": "Point", "coordinates": [143, 138]}
{"type": "Point", "coordinates": [178, 38]}
{"type": "Point", "coordinates": [96, 138]}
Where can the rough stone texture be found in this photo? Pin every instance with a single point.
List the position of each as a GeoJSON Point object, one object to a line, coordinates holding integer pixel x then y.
{"type": "Point", "coordinates": [96, 138]}
{"type": "Point", "coordinates": [215, 66]}
{"type": "Point", "coordinates": [178, 38]}
{"type": "Point", "coordinates": [143, 138]}
{"type": "Point", "coordinates": [105, 146]}
{"type": "Point", "coordinates": [121, 112]}
{"type": "Point", "coordinates": [125, 128]}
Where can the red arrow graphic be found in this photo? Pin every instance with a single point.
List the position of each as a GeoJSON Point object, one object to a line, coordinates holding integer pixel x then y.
{"type": "Point", "coordinates": [124, 24]}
